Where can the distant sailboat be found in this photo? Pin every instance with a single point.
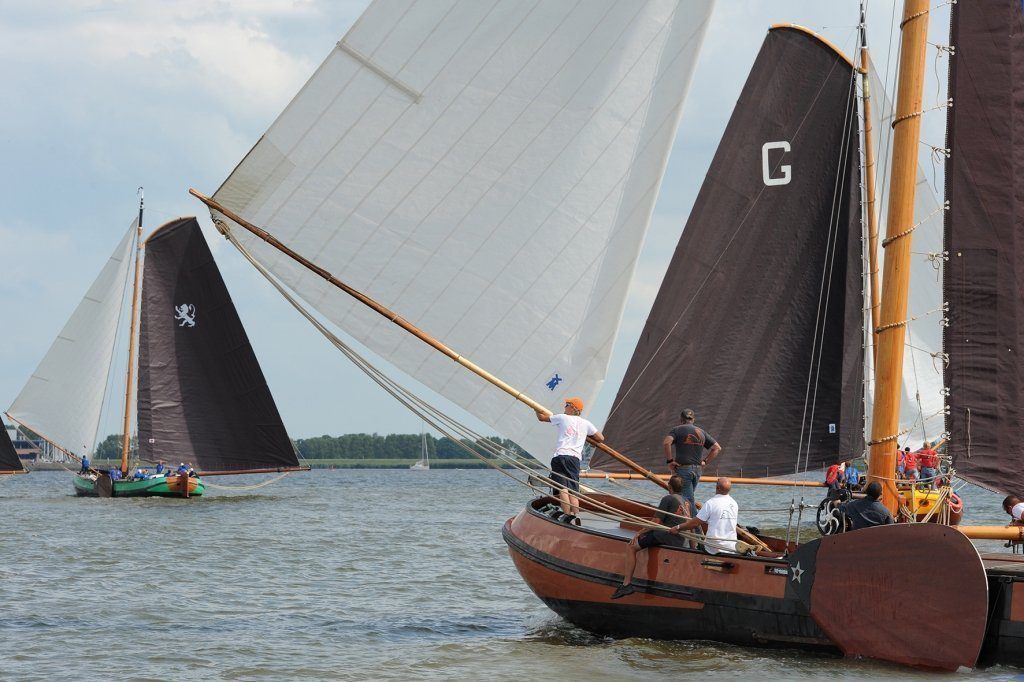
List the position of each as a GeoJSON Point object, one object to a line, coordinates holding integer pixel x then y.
{"type": "Point", "coordinates": [424, 461]}
{"type": "Point", "coordinates": [10, 463]}
{"type": "Point", "coordinates": [202, 398]}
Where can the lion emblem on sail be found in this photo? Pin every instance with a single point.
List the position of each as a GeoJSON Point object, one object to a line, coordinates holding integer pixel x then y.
{"type": "Point", "coordinates": [185, 314]}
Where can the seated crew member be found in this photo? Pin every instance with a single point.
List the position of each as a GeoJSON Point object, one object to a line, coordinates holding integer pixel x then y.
{"type": "Point", "coordinates": [867, 511]}
{"type": "Point", "coordinates": [717, 518]}
{"type": "Point", "coordinates": [160, 468]}
{"type": "Point", "coordinates": [1014, 506]}
{"type": "Point", "coordinates": [672, 510]}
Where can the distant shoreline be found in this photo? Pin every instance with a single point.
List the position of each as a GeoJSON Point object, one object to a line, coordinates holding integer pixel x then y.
{"type": "Point", "coordinates": [312, 463]}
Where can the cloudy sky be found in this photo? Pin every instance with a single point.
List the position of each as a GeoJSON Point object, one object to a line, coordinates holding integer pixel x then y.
{"type": "Point", "coordinates": [105, 96]}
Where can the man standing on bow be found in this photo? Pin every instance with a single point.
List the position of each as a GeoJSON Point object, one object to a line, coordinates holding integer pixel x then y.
{"type": "Point", "coordinates": [690, 442]}
{"type": "Point", "coordinates": [565, 464]}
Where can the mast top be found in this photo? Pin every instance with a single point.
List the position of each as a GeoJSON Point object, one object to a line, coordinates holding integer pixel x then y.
{"type": "Point", "coordinates": [825, 41]}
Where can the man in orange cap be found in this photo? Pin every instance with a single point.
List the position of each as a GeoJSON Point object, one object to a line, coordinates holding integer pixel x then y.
{"type": "Point", "coordinates": [565, 464]}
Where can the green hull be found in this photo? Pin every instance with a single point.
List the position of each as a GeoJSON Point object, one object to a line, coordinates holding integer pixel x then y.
{"type": "Point", "coordinates": [152, 487]}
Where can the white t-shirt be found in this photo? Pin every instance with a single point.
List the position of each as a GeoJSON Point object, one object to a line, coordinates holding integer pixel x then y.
{"type": "Point", "coordinates": [720, 513]}
{"type": "Point", "coordinates": [1017, 511]}
{"type": "Point", "coordinates": [572, 434]}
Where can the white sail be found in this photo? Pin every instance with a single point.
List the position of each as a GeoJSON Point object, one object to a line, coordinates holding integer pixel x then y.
{"type": "Point", "coordinates": [63, 397]}
{"type": "Point", "coordinates": [488, 171]}
{"type": "Point", "coordinates": [922, 402]}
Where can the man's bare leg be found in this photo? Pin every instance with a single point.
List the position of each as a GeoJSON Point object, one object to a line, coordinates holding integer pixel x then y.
{"type": "Point", "coordinates": [574, 505]}
{"type": "Point", "coordinates": [564, 498]}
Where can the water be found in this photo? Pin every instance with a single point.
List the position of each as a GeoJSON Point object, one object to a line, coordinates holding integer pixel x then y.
{"type": "Point", "coordinates": [328, 575]}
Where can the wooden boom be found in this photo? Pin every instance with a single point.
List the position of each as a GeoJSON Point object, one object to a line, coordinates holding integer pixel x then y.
{"type": "Point", "coordinates": [709, 479]}
{"type": "Point", "coordinates": [412, 329]}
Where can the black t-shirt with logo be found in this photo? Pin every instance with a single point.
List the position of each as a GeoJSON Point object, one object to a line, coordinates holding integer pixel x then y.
{"type": "Point", "coordinates": [691, 441]}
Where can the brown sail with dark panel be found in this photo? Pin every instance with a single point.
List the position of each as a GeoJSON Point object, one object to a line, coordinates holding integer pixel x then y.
{"type": "Point", "coordinates": [757, 325]}
{"type": "Point", "coordinates": [202, 395]}
{"type": "Point", "coordinates": [985, 244]}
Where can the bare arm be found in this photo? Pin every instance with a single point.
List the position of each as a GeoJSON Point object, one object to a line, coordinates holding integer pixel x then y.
{"type": "Point", "coordinates": [598, 437]}
{"type": "Point", "coordinates": [712, 453]}
{"type": "Point", "coordinates": [543, 417]}
{"type": "Point", "coordinates": [666, 445]}
{"type": "Point", "coordinates": [692, 523]}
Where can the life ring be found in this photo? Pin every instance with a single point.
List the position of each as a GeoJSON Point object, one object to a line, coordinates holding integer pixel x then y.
{"type": "Point", "coordinates": [956, 505]}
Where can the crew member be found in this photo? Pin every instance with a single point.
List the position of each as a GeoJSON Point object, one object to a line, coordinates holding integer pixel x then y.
{"type": "Point", "coordinates": [565, 463]}
{"type": "Point", "coordinates": [717, 518]}
{"type": "Point", "coordinates": [929, 460]}
{"type": "Point", "coordinates": [867, 511]}
{"type": "Point", "coordinates": [1013, 506]}
{"type": "Point", "coordinates": [672, 510]}
{"type": "Point", "coordinates": [85, 465]}
{"type": "Point", "coordinates": [690, 443]}
{"type": "Point", "coordinates": [910, 464]}
{"type": "Point", "coordinates": [852, 476]}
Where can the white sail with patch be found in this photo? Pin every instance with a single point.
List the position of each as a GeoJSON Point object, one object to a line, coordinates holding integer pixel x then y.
{"type": "Point", "coordinates": [488, 171]}
{"type": "Point", "coordinates": [62, 399]}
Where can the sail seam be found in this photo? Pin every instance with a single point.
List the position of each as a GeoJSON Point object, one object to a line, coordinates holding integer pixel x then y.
{"type": "Point", "coordinates": [379, 71]}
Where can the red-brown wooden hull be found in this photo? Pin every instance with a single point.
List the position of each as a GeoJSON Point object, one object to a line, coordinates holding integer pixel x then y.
{"type": "Point", "coordinates": [845, 593]}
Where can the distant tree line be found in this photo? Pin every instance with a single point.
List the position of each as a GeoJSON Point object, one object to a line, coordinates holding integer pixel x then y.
{"type": "Point", "coordinates": [394, 446]}
{"type": "Point", "coordinates": [360, 446]}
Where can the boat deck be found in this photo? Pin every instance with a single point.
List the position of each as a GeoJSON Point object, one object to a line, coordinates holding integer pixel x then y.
{"type": "Point", "coordinates": [1004, 564]}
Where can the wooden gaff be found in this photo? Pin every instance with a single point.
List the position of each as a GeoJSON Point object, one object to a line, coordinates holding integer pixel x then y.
{"type": "Point", "coordinates": [869, 181]}
{"type": "Point", "coordinates": [709, 479]}
{"type": "Point", "coordinates": [412, 329]}
{"type": "Point", "coordinates": [896, 280]}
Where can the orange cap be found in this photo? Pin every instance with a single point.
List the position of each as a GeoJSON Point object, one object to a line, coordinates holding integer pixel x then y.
{"type": "Point", "coordinates": [575, 402]}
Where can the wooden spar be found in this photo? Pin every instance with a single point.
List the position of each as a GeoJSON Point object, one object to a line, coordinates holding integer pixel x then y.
{"type": "Point", "coordinates": [896, 279]}
{"type": "Point", "coordinates": [127, 436]}
{"type": "Point", "coordinates": [709, 479]}
{"type": "Point", "coordinates": [993, 532]}
{"type": "Point", "coordinates": [869, 181]}
{"type": "Point", "coordinates": [412, 329]}
{"type": "Point", "coordinates": [278, 470]}
{"type": "Point", "coordinates": [13, 473]}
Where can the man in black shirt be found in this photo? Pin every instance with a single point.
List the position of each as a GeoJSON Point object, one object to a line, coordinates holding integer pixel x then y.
{"type": "Point", "coordinates": [672, 511]}
{"type": "Point", "coordinates": [867, 511]}
{"type": "Point", "coordinates": [690, 443]}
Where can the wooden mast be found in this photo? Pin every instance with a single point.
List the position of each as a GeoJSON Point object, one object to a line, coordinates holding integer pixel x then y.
{"type": "Point", "coordinates": [892, 324]}
{"type": "Point", "coordinates": [127, 437]}
{"type": "Point", "coordinates": [869, 181]}
{"type": "Point", "coordinates": [412, 329]}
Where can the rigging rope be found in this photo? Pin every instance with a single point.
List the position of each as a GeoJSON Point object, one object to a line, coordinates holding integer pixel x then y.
{"type": "Point", "coordinates": [440, 421]}
{"type": "Point", "coordinates": [254, 486]}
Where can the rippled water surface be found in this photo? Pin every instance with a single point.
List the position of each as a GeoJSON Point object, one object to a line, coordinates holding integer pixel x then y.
{"type": "Point", "coordinates": [327, 575]}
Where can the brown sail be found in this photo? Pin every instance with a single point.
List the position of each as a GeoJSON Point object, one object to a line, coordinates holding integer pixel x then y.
{"type": "Point", "coordinates": [202, 395]}
{"type": "Point", "coordinates": [757, 325]}
{"type": "Point", "coordinates": [9, 460]}
{"type": "Point", "coordinates": [984, 278]}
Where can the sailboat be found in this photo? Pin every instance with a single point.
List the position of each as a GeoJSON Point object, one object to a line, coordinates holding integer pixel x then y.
{"type": "Point", "coordinates": [445, 158]}
{"type": "Point", "coordinates": [202, 398]}
{"type": "Point", "coordinates": [423, 463]}
{"type": "Point", "coordinates": [10, 463]}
